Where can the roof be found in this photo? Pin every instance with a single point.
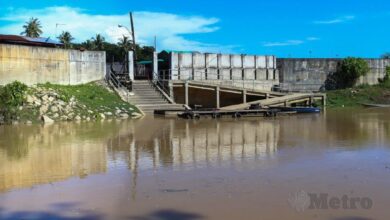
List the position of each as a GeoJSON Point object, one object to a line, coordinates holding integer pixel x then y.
{"type": "Point", "coordinates": [177, 51]}
{"type": "Point", "coordinates": [30, 41]}
{"type": "Point", "coordinates": [144, 62]}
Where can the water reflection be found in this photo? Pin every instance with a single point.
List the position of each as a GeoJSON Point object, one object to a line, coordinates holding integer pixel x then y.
{"type": "Point", "coordinates": [33, 155]}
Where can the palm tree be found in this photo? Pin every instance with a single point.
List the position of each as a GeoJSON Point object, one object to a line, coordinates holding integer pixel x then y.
{"type": "Point", "coordinates": [32, 28]}
{"type": "Point", "coordinates": [125, 43]}
{"type": "Point", "coordinates": [66, 38]}
{"type": "Point", "coordinates": [98, 41]}
{"type": "Point", "coordinates": [88, 44]}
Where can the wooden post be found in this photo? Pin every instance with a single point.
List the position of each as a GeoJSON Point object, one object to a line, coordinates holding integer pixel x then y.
{"type": "Point", "coordinates": [217, 97]}
{"type": "Point", "coordinates": [186, 93]}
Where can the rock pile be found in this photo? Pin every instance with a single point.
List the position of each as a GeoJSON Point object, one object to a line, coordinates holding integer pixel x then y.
{"type": "Point", "coordinates": [51, 107]}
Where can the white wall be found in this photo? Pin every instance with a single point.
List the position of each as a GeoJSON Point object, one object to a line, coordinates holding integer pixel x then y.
{"type": "Point", "coordinates": [33, 65]}
{"type": "Point", "coordinates": [199, 66]}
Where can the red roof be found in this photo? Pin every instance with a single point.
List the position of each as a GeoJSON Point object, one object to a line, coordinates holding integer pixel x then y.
{"type": "Point", "coordinates": [22, 40]}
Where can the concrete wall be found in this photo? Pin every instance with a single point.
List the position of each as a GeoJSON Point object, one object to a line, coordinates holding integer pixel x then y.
{"type": "Point", "coordinates": [311, 74]}
{"type": "Point", "coordinates": [32, 65]}
{"type": "Point", "coordinates": [230, 69]}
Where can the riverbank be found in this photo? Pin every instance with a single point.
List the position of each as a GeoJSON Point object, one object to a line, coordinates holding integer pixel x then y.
{"type": "Point", "coordinates": [48, 103]}
{"type": "Point", "coordinates": [353, 97]}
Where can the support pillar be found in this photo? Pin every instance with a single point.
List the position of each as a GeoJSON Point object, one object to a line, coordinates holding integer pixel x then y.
{"type": "Point", "coordinates": [186, 93]}
{"type": "Point", "coordinates": [244, 96]}
{"type": "Point", "coordinates": [131, 65]}
{"type": "Point", "coordinates": [171, 91]}
{"type": "Point", "coordinates": [311, 102]}
{"type": "Point", "coordinates": [324, 100]}
{"type": "Point", "coordinates": [218, 105]}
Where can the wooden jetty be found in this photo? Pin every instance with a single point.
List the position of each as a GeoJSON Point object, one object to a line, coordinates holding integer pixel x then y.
{"type": "Point", "coordinates": [190, 114]}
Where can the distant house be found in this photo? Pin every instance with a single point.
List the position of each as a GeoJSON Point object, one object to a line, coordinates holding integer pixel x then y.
{"type": "Point", "coordinates": [29, 41]}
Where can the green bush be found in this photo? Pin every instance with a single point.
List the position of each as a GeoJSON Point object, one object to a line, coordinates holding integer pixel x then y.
{"type": "Point", "coordinates": [349, 71]}
{"type": "Point", "coordinates": [11, 97]}
{"type": "Point", "coordinates": [385, 81]}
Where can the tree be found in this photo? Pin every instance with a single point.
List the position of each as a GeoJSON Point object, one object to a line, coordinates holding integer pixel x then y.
{"type": "Point", "coordinates": [66, 38]}
{"type": "Point", "coordinates": [144, 53]}
{"type": "Point", "coordinates": [125, 43]}
{"type": "Point", "coordinates": [349, 71]}
{"type": "Point", "coordinates": [98, 42]}
{"type": "Point", "coordinates": [88, 44]}
{"type": "Point", "coordinates": [32, 28]}
{"type": "Point", "coordinates": [385, 56]}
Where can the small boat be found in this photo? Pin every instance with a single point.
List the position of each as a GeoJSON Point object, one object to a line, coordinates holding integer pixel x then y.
{"type": "Point", "coordinates": [299, 109]}
{"type": "Point", "coordinates": [375, 105]}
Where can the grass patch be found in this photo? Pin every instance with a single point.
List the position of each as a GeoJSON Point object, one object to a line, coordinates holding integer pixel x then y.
{"type": "Point", "coordinates": [353, 97]}
{"type": "Point", "coordinates": [95, 97]}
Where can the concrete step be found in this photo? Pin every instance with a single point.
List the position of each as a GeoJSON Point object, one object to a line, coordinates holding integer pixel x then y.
{"type": "Point", "coordinates": [143, 89]}
{"type": "Point", "coordinates": [150, 103]}
{"type": "Point", "coordinates": [148, 100]}
{"type": "Point", "coordinates": [146, 97]}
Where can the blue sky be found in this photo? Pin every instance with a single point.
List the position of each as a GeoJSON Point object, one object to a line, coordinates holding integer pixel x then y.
{"type": "Point", "coordinates": [303, 28]}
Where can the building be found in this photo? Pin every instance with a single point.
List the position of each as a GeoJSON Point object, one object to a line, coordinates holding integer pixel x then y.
{"type": "Point", "coordinates": [29, 41]}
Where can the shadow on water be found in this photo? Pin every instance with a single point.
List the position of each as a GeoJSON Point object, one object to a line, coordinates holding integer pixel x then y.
{"type": "Point", "coordinates": [168, 214]}
{"type": "Point", "coordinates": [59, 211]}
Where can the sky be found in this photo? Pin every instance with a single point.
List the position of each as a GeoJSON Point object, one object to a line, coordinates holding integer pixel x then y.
{"type": "Point", "coordinates": [300, 28]}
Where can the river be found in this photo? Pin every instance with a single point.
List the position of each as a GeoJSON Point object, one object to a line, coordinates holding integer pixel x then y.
{"type": "Point", "coordinates": [156, 168]}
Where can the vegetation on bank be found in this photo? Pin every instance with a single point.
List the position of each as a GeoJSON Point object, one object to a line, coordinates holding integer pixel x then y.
{"type": "Point", "coordinates": [48, 103]}
{"type": "Point", "coordinates": [355, 96]}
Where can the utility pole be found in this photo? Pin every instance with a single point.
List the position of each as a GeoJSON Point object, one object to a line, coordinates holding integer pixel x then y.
{"type": "Point", "coordinates": [133, 35]}
{"type": "Point", "coordinates": [134, 45]}
{"type": "Point", "coordinates": [155, 43]}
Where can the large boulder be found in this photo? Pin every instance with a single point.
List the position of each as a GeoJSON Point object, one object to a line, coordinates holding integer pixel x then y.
{"type": "Point", "coordinates": [46, 119]}
{"type": "Point", "coordinates": [43, 109]}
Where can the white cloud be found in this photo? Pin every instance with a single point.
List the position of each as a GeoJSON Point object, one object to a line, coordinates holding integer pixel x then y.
{"type": "Point", "coordinates": [284, 43]}
{"type": "Point", "coordinates": [170, 29]}
{"type": "Point", "coordinates": [312, 38]}
{"type": "Point", "coordinates": [289, 42]}
{"type": "Point", "coordinates": [336, 20]}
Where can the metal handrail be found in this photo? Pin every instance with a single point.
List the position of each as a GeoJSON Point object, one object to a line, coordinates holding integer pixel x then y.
{"type": "Point", "coordinates": [159, 84]}
{"type": "Point", "coordinates": [117, 84]}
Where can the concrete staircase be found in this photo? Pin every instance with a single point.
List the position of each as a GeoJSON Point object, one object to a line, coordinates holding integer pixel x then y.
{"type": "Point", "coordinates": [148, 98]}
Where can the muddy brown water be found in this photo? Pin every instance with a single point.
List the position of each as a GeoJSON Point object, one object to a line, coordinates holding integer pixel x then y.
{"type": "Point", "coordinates": [156, 168]}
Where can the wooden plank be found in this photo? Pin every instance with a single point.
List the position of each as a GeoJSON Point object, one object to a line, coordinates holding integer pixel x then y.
{"type": "Point", "coordinates": [271, 101]}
